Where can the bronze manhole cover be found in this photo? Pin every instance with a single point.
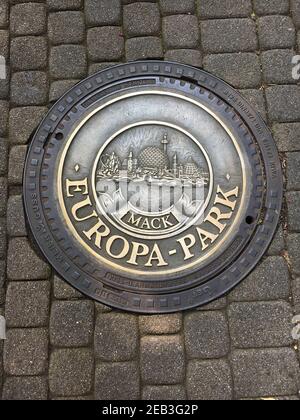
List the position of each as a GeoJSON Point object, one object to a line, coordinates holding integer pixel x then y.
{"type": "Point", "coordinates": [153, 187]}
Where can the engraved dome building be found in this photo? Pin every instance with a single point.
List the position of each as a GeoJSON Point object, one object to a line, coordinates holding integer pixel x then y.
{"type": "Point", "coordinates": [191, 168]}
{"type": "Point", "coordinates": [154, 158]}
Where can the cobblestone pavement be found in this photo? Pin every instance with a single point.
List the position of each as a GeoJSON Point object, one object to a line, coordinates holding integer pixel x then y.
{"type": "Point", "coordinates": [61, 345]}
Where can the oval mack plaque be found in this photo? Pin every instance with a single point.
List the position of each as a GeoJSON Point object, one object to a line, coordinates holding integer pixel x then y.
{"type": "Point", "coordinates": [153, 187]}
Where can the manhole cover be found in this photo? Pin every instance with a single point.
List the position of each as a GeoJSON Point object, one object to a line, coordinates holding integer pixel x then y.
{"type": "Point", "coordinates": [153, 187]}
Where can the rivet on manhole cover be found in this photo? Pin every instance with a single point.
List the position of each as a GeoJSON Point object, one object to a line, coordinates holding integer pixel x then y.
{"type": "Point", "coordinates": [150, 191]}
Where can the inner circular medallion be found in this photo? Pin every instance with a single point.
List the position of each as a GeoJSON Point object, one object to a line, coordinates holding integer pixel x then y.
{"type": "Point", "coordinates": [152, 179]}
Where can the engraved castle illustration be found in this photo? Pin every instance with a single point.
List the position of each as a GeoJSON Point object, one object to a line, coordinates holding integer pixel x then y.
{"type": "Point", "coordinates": [152, 163]}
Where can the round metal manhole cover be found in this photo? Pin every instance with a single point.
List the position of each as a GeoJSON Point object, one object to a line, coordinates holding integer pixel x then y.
{"type": "Point", "coordinates": [153, 187]}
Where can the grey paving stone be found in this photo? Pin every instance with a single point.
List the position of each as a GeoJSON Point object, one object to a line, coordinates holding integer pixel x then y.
{"type": "Point", "coordinates": [105, 44]}
{"type": "Point", "coordinates": [296, 294]}
{"type": "Point", "coordinates": [269, 372]}
{"type": "Point", "coordinates": [28, 19]}
{"type": "Point", "coordinates": [23, 121]}
{"type": "Point", "coordinates": [68, 62]}
{"type": "Point", "coordinates": [96, 67]}
{"type": "Point", "coordinates": [173, 7]}
{"type": "Point", "coordinates": [71, 323]}
{"type": "Point", "coordinates": [4, 10]}
{"type": "Point", "coordinates": [3, 156]}
{"type": "Point", "coordinates": [4, 43]}
{"type": "Point", "coordinates": [26, 352]}
{"type": "Point", "coordinates": [29, 53]}
{"type": "Point", "coordinates": [21, 1]}
{"type": "Point", "coordinates": [164, 393]}
{"type": "Point", "coordinates": [23, 263]}
{"type": "Point", "coordinates": [103, 12]}
{"type": "Point", "coordinates": [117, 381]}
{"type": "Point", "coordinates": [293, 202]}
{"type": "Point", "coordinates": [62, 290]}
{"type": "Point", "coordinates": [102, 309]}
{"type": "Point", "coordinates": [228, 35]}
{"type": "Point", "coordinates": [116, 337]}
{"type": "Point", "coordinates": [295, 8]}
{"type": "Point", "coordinates": [84, 398]}
{"type": "Point", "coordinates": [256, 98]}
{"type": "Point", "coordinates": [259, 285]}
{"type": "Point", "coordinates": [25, 389]}
{"type": "Point", "coordinates": [185, 56]}
{"type": "Point", "coordinates": [3, 241]}
{"type": "Point", "coordinates": [4, 85]}
{"type": "Point", "coordinates": [17, 158]}
{"type": "Point", "coordinates": [66, 27]}
{"type": "Point", "coordinates": [276, 32]}
{"type": "Point", "coordinates": [27, 304]}
{"type": "Point", "coordinates": [3, 117]}
{"type": "Point", "coordinates": [2, 300]}
{"type": "Point", "coordinates": [241, 70]}
{"type": "Point", "coordinates": [204, 341]}
{"type": "Point", "coordinates": [134, 1]}
{"type": "Point", "coordinates": [143, 48]}
{"type": "Point", "coordinates": [70, 372]}
{"type": "Point", "coordinates": [278, 243]}
{"type": "Point", "coordinates": [277, 66]}
{"type": "Point", "coordinates": [209, 380]}
{"type": "Point", "coordinates": [283, 103]}
{"type": "Point", "coordinates": [271, 7]}
{"type": "Point", "coordinates": [287, 136]}
{"type": "Point", "coordinates": [216, 305]}
{"type": "Point", "coordinates": [15, 216]}
{"type": "Point", "coordinates": [141, 19]}
{"type": "Point", "coordinates": [162, 360]}
{"type": "Point", "coordinates": [293, 243]}
{"type": "Point", "coordinates": [59, 87]}
{"type": "Point", "coordinates": [29, 88]}
{"type": "Point", "coordinates": [2, 273]}
{"type": "Point", "coordinates": [293, 170]}
{"type": "Point", "coordinates": [222, 9]}
{"type": "Point", "coordinates": [3, 238]}
{"type": "Point", "coordinates": [260, 324]}
{"type": "Point", "coordinates": [64, 4]}
{"type": "Point", "coordinates": [180, 31]}
{"type": "Point", "coordinates": [3, 195]}
{"type": "Point", "coordinates": [160, 324]}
